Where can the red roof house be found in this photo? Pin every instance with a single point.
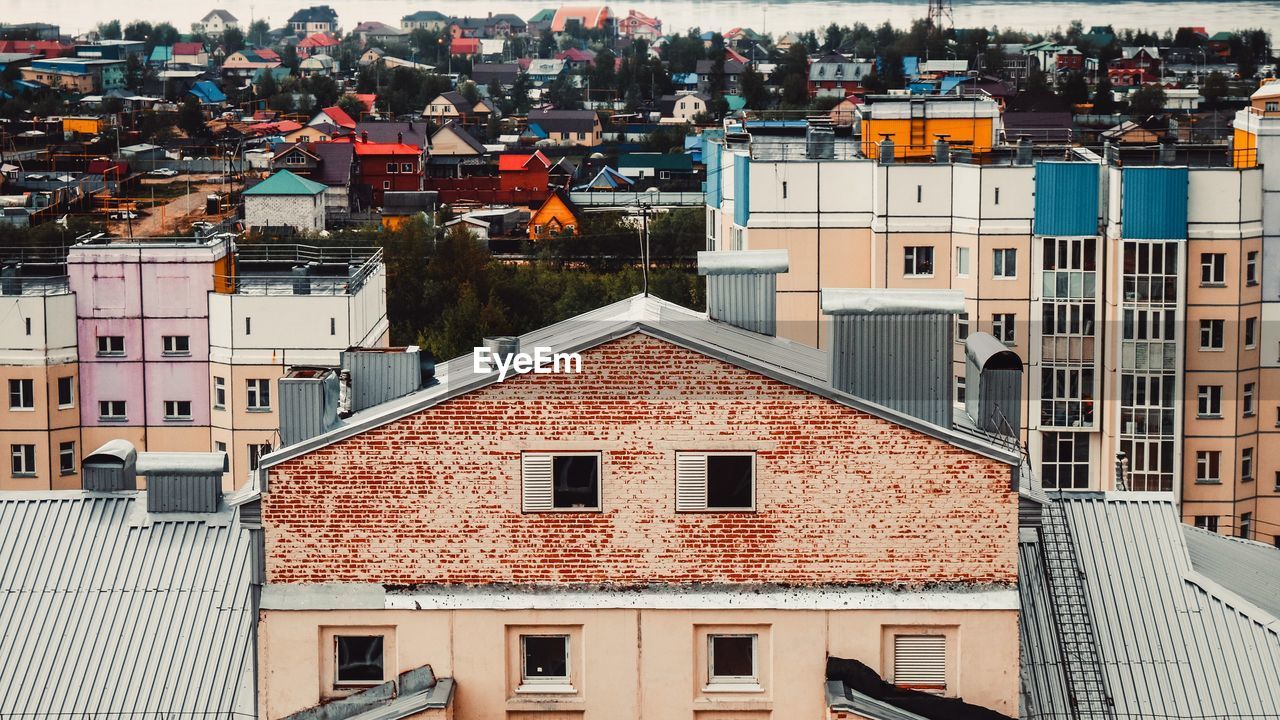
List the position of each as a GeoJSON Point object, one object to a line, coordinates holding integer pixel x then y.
{"type": "Point", "coordinates": [523, 171]}
{"type": "Point", "coordinates": [316, 44]}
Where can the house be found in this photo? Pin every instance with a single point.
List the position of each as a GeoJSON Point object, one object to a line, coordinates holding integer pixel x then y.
{"type": "Point", "coordinates": [1265, 100]}
{"type": "Point", "coordinates": [557, 216]}
{"type": "Point", "coordinates": [843, 113]}
{"type": "Point", "coordinates": [1186, 99]}
{"type": "Point", "coordinates": [464, 47]}
{"type": "Point", "coordinates": [576, 58]}
{"type": "Point", "coordinates": [454, 151]}
{"type": "Point", "coordinates": [1220, 43]}
{"type": "Point", "coordinates": [453, 105]}
{"type": "Point", "coordinates": [329, 163]}
{"type": "Point", "coordinates": [733, 69]}
{"type": "Point", "coordinates": [1130, 133]}
{"type": "Point", "coordinates": [655, 166]}
{"type": "Point", "coordinates": [248, 63]}
{"type": "Point", "coordinates": [372, 56]}
{"type": "Point", "coordinates": [836, 76]}
{"type": "Point", "coordinates": [570, 19]}
{"type": "Point", "coordinates": [785, 42]}
{"type": "Point", "coordinates": [684, 107]}
{"type": "Point", "coordinates": [216, 23]}
{"type": "Point", "coordinates": [77, 74]}
{"type": "Point", "coordinates": [335, 116]}
{"type": "Point", "coordinates": [383, 166]}
{"type": "Point", "coordinates": [504, 25]}
{"type": "Point", "coordinates": [543, 71]}
{"type": "Point", "coordinates": [319, 64]}
{"type": "Point", "coordinates": [523, 171]}
{"type": "Point", "coordinates": [208, 93]}
{"type": "Point", "coordinates": [285, 200]}
{"type": "Point", "coordinates": [652, 519]}
{"type": "Point", "coordinates": [1069, 59]}
{"type": "Point", "coordinates": [1146, 60]}
{"type": "Point", "coordinates": [566, 127]}
{"type": "Point", "coordinates": [637, 25]}
{"type": "Point", "coordinates": [493, 49]}
{"type": "Point", "coordinates": [190, 54]}
{"type": "Point", "coordinates": [504, 74]}
{"type": "Point", "coordinates": [466, 27]}
{"type": "Point", "coordinates": [62, 552]}
{"type": "Point", "coordinates": [40, 48]}
{"type": "Point", "coordinates": [425, 20]}
{"type": "Point", "coordinates": [388, 131]}
{"type": "Point", "coordinates": [316, 43]}
{"type": "Point", "coordinates": [374, 32]}
{"type": "Point", "coordinates": [608, 180]}
{"type": "Point", "coordinates": [312, 20]}
{"type": "Point", "coordinates": [540, 22]}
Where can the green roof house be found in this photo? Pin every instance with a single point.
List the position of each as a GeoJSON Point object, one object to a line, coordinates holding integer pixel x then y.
{"type": "Point", "coordinates": [285, 200]}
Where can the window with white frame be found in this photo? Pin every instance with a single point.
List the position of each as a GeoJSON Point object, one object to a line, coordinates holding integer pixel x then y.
{"type": "Point", "coordinates": [1212, 334]}
{"type": "Point", "coordinates": [406, 167]}
{"type": "Point", "coordinates": [258, 394]}
{"type": "Point", "coordinates": [1208, 468]}
{"type": "Point", "coordinates": [1068, 319]}
{"type": "Point", "coordinates": [1002, 327]}
{"type": "Point", "coordinates": [177, 409]}
{"type": "Point", "coordinates": [1245, 530]}
{"type": "Point", "coordinates": [66, 392]}
{"type": "Point", "coordinates": [715, 481]}
{"type": "Point", "coordinates": [177, 344]}
{"type": "Point", "coordinates": [391, 168]}
{"type": "Point", "coordinates": [962, 327]}
{"type": "Point", "coordinates": [67, 457]}
{"type": "Point", "coordinates": [110, 345]}
{"type": "Point", "coordinates": [1005, 263]}
{"type": "Point", "coordinates": [1248, 408]}
{"type": "Point", "coordinates": [1209, 401]}
{"type": "Point", "coordinates": [1250, 333]}
{"type": "Point", "coordinates": [1251, 268]}
{"type": "Point", "coordinates": [219, 393]}
{"type": "Point", "coordinates": [544, 661]}
{"type": "Point", "coordinates": [22, 394]}
{"type": "Point", "coordinates": [560, 481]}
{"type": "Point", "coordinates": [962, 262]}
{"type": "Point", "coordinates": [358, 660]}
{"type": "Point", "coordinates": [1246, 464]}
{"type": "Point", "coordinates": [1213, 269]}
{"type": "Point", "coordinates": [920, 662]}
{"type": "Point", "coordinates": [961, 395]}
{"type": "Point", "coordinates": [731, 659]}
{"type": "Point", "coordinates": [1066, 396]}
{"type": "Point", "coordinates": [22, 460]}
{"type": "Point", "coordinates": [1207, 522]}
{"type": "Point", "coordinates": [113, 410]}
{"type": "Point", "coordinates": [918, 260]}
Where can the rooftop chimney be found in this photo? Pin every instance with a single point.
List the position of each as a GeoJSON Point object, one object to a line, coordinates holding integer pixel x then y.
{"type": "Point", "coordinates": [183, 482]}
{"type": "Point", "coordinates": [894, 347]}
{"type": "Point", "coordinates": [742, 287]}
{"type": "Point", "coordinates": [1168, 150]}
{"type": "Point", "coordinates": [993, 385]}
{"type": "Point", "coordinates": [399, 138]}
{"type": "Point", "coordinates": [111, 468]}
{"type": "Point", "coordinates": [364, 136]}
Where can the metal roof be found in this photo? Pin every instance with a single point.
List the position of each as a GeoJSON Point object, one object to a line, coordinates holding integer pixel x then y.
{"type": "Point", "coordinates": [107, 611]}
{"type": "Point", "coordinates": [780, 359]}
{"type": "Point", "coordinates": [1172, 642]}
{"type": "Point", "coordinates": [1251, 569]}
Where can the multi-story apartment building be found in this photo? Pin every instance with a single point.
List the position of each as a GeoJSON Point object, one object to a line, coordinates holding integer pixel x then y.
{"type": "Point", "coordinates": [172, 344]}
{"type": "Point", "coordinates": [1130, 280]}
{"type": "Point", "coordinates": [688, 525]}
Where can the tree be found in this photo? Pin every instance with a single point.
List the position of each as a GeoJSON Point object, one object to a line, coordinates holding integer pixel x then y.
{"type": "Point", "coordinates": [259, 33]}
{"type": "Point", "coordinates": [351, 106]}
{"type": "Point", "coordinates": [233, 39]}
{"type": "Point", "coordinates": [165, 34]}
{"type": "Point", "coordinates": [138, 30]}
{"type": "Point", "coordinates": [1075, 90]}
{"type": "Point", "coordinates": [833, 38]}
{"type": "Point", "coordinates": [191, 117]}
{"type": "Point", "coordinates": [1103, 102]}
{"type": "Point", "coordinates": [1215, 87]}
{"type": "Point", "coordinates": [1147, 100]}
{"type": "Point", "coordinates": [752, 86]}
{"type": "Point", "coordinates": [110, 30]}
{"type": "Point", "coordinates": [267, 86]}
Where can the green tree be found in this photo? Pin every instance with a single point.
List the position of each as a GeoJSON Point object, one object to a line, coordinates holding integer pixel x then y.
{"type": "Point", "coordinates": [1147, 100]}
{"type": "Point", "coordinates": [233, 40]}
{"type": "Point", "coordinates": [267, 86]}
{"type": "Point", "coordinates": [259, 34]}
{"type": "Point", "coordinates": [138, 30]}
{"type": "Point", "coordinates": [832, 38]}
{"type": "Point", "coordinates": [110, 30]}
{"type": "Point", "coordinates": [1103, 102]}
{"type": "Point", "coordinates": [754, 91]}
{"type": "Point", "coordinates": [191, 117]}
{"type": "Point", "coordinates": [1215, 87]}
{"type": "Point", "coordinates": [1075, 89]}
{"type": "Point", "coordinates": [351, 106]}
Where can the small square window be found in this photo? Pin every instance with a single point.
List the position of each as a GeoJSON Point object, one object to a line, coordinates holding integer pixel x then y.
{"type": "Point", "coordinates": [1211, 334]}
{"type": "Point", "coordinates": [67, 458]}
{"type": "Point", "coordinates": [22, 460]}
{"type": "Point", "coordinates": [259, 395]}
{"type": "Point", "coordinates": [1005, 263]}
{"type": "Point", "coordinates": [1209, 401]}
{"type": "Point", "coordinates": [177, 345]}
{"type": "Point", "coordinates": [66, 392]}
{"type": "Point", "coordinates": [22, 394]}
{"type": "Point", "coordinates": [391, 168]}
{"type": "Point", "coordinates": [918, 260]}
{"type": "Point", "coordinates": [544, 660]}
{"type": "Point", "coordinates": [560, 481]}
{"type": "Point", "coordinates": [731, 659]}
{"type": "Point", "coordinates": [729, 482]}
{"type": "Point", "coordinates": [112, 410]}
{"type": "Point", "coordinates": [177, 409]}
{"type": "Point", "coordinates": [110, 345]}
{"type": "Point", "coordinates": [406, 167]}
{"type": "Point", "coordinates": [359, 660]}
{"type": "Point", "coordinates": [1213, 269]}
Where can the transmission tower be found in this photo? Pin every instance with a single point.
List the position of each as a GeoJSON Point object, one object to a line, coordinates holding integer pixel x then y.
{"type": "Point", "coordinates": [940, 14]}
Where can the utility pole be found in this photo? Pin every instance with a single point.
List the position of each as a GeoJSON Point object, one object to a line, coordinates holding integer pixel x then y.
{"type": "Point", "coordinates": [644, 247]}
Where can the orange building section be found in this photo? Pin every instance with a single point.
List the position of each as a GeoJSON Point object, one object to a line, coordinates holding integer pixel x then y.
{"type": "Point", "coordinates": [914, 137]}
{"type": "Point", "coordinates": [557, 216]}
{"type": "Point", "coordinates": [1244, 149]}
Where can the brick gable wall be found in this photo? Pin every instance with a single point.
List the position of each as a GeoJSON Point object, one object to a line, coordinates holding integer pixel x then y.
{"type": "Point", "coordinates": [842, 497]}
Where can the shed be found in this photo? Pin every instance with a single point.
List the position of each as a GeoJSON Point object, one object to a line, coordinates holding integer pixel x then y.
{"type": "Point", "coordinates": [285, 200]}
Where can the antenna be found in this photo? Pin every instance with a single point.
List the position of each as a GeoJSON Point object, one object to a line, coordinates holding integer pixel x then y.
{"type": "Point", "coordinates": [940, 14]}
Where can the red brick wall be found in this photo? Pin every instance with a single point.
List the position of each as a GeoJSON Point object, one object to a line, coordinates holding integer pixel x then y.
{"type": "Point", "coordinates": [842, 497]}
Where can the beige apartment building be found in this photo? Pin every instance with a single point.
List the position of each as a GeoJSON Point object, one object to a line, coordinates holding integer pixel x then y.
{"type": "Point", "coordinates": [1129, 280]}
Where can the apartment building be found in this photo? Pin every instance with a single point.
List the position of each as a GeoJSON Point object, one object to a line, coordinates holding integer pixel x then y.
{"type": "Point", "coordinates": [172, 344]}
{"type": "Point", "coordinates": [1130, 280]}
{"type": "Point", "coordinates": [677, 529]}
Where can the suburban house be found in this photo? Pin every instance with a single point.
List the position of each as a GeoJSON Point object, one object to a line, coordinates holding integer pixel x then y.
{"type": "Point", "coordinates": [587, 17]}
{"type": "Point", "coordinates": [383, 166]}
{"type": "Point", "coordinates": [653, 166]}
{"type": "Point", "coordinates": [285, 200]}
{"type": "Point", "coordinates": [648, 534]}
{"type": "Point", "coordinates": [685, 106]}
{"type": "Point", "coordinates": [315, 44]}
{"type": "Point", "coordinates": [464, 46]}
{"type": "Point", "coordinates": [319, 64]}
{"type": "Point", "coordinates": [639, 26]}
{"type": "Point", "coordinates": [576, 58]}
{"type": "Point", "coordinates": [733, 69]}
{"type": "Point", "coordinates": [543, 71]}
{"type": "Point", "coordinates": [312, 20]}
{"type": "Point", "coordinates": [836, 76]}
{"type": "Point", "coordinates": [328, 163]}
{"type": "Point", "coordinates": [566, 127]}
{"type": "Point", "coordinates": [216, 23]}
{"type": "Point", "coordinates": [454, 152]}
{"type": "Point", "coordinates": [372, 56]}
{"type": "Point", "coordinates": [453, 105]}
{"type": "Point", "coordinates": [248, 63]}
{"type": "Point", "coordinates": [425, 20]}
{"type": "Point", "coordinates": [540, 21]}
{"type": "Point", "coordinates": [190, 54]}
{"type": "Point", "coordinates": [505, 74]}
{"type": "Point", "coordinates": [557, 215]}
{"type": "Point", "coordinates": [77, 74]}
{"type": "Point", "coordinates": [523, 171]}
{"type": "Point", "coordinates": [372, 32]}
{"type": "Point", "coordinates": [335, 116]}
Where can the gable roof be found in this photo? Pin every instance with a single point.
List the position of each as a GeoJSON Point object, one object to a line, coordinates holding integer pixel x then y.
{"type": "Point", "coordinates": [284, 182]}
{"type": "Point", "coordinates": [317, 40]}
{"type": "Point", "coordinates": [425, 16]}
{"type": "Point", "coordinates": [188, 48]}
{"type": "Point", "coordinates": [389, 131]}
{"type": "Point", "coordinates": [483, 73]}
{"type": "Point", "coordinates": [658, 161]}
{"type": "Point", "coordinates": [552, 120]}
{"type": "Point", "coordinates": [223, 14]}
{"type": "Point", "coordinates": [109, 611]}
{"type": "Point", "coordinates": [591, 17]}
{"type": "Point", "coordinates": [783, 360]}
{"type": "Point", "coordinates": [1171, 641]}
{"type": "Point", "coordinates": [335, 163]}
{"type": "Point", "coordinates": [520, 161]}
{"type": "Point", "coordinates": [316, 13]}
{"type": "Point", "coordinates": [337, 115]}
{"type": "Point", "coordinates": [461, 133]}
{"type": "Point", "coordinates": [207, 92]}
{"type": "Point", "coordinates": [608, 179]}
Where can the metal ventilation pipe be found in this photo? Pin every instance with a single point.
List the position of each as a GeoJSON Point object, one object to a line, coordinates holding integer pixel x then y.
{"type": "Point", "coordinates": [1168, 151]}
{"type": "Point", "coordinates": [503, 346]}
{"type": "Point", "coordinates": [1023, 152]}
{"type": "Point", "coordinates": [344, 394]}
{"type": "Point", "coordinates": [942, 150]}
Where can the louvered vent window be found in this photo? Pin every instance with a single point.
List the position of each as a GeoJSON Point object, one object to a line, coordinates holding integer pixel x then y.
{"type": "Point", "coordinates": [560, 481]}
{"type": "Point", "coordinates": [920, 662]}
{"type": "Point", "coordinates": [715, 481]}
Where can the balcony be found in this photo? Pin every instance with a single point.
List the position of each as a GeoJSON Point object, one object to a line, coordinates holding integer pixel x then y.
{"type": "Point", "coordinates": [287, 269]}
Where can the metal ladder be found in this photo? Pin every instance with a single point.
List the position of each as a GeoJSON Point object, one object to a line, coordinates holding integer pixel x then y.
{"type": "Point", "coordinates": [1086, 684]}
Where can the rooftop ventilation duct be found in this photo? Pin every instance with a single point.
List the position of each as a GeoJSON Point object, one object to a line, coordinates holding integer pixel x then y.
{"type": "Point", "coordinates": [942, 150]}
{"type": "Point", "coordinates": [183, 482]}
{"type": "Point", "coordinates": [820, 143]}
{"type": "Point", "coordinates": [308, 403]}
{"type": "Point", "coordinates": [382, 374]}
{"type": "Point", "coordinates": [1168, 150]}
{"type": "Point", "coordinates": [894, 348]}
{"type": "Point", "coordinates": [886, 149]}
{"type": "Point", "coordinates": [993, 385]}
{"type": "Point", "coordinates": [1023, 152]}
{"type": "Point", "coordinates": [111, 468]}
{"type": "Point", "coordinates": [742, 287]}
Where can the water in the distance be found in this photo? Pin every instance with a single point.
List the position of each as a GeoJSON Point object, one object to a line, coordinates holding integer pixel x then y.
{"type": "Point", "coordinates": [775, 16]}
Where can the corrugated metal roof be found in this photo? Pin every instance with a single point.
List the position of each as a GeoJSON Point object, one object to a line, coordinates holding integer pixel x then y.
{"type": "Point", "coordinates": [106, 611]}
{"type": "Point", "coordinates": [1154, 204]}
{"type": "Point", "coordinates": [1172, 642]}
{"type": "Point", "coordinates": [1251, 569]}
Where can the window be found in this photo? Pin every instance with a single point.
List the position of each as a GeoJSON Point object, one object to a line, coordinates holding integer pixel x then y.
{"type": "Point", "coordinates": [22, 394]}
{"type": "Point", "coordinates": [1246, 464]}
{"type": "Point", "coordinates": [997, 196]}
{"type": "Point", "coordinates": [1211, 337]}
{"type": "Point", "coordinates": [359, 659]}
{"type": "Point", "coordinates": [23, 460]}
{"type": "Point", "coordinates": [406, 167]}
{"type": "Point", "coordinates": [1207, 522]}
{"type": "Point", "coordinates": [259, 394]}
{"type": "Point", "coordinates": [66, 392]}
{"type": "Point", "coordinates": [219, 393]}
{"type": "Point", "coordinates": [1005, 263]}
{"type": "Point", "coordinates": [544, 660]}
{"type": "Point", "coordinates": [67, 458]}
{"type": "Point", "coordinates": [1247, 406]}
{"type": "Point", "coordinates": [920, 662]}
{"type": "Point", "coordinates": [960, 390]}
{"type": "Point", "coordinates": [1272, 106]}
{"type": "Point", "coordinates": [1064, 461]}
{"type": "Point", "coordinates": [1209, 401]}
{"type": "Point", "coordinates": [715, 481]}
{"type": "Point", "coordinates": [177, 409]}
{"type": "Point", "coordinates": [219, 446]}
{"type": "Point", "coordinates": [256, 451]}
{"type": "Point", "coordinates": [1207, 466]}
{"type": "Point", "coordinates": [177, 345]}
{"type": "Point", "coordinates": [1250, 333]}
{"type": "Point", "coordinates": [1213, 269]}
{"type": "Point", "coordinates": [918, 260]}
{"type": "Point", "coordinates": [1251, 268]}
{"type": "Point", "coordinates": [560, 481]}
{"type": "Point", "coordinates": [295, 159]}
{"type": "Point", "coordinates": [386, 184]}
{"type": "Point", "coordinates": [962, 262]}
{"type": "Point", "coordinates": [1246, 525]}
{"type": "Point", "coordinates": [731, 660]}
{"type": "Point", "coordinates": [111, 410]}
{"type": "Point", "coordinates": [962, 327]}
{"type": "Point", "coordinates": [784, 189]}
{"type": "Point", "coordinates": [391, 168]}
{"type": "Point", "coordinates": [1002, 326]}
{"type": "Point", "coordinates": [110, 345]}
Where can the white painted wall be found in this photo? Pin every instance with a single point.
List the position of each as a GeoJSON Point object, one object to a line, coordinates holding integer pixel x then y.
{"type": "Point", "coordinates": [304, 212]}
